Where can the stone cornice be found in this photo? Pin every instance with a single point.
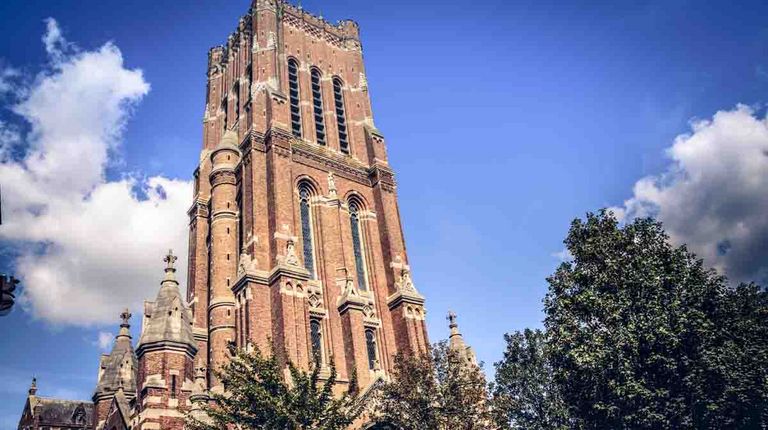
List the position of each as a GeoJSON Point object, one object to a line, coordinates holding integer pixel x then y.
{"type": "Point", "coordinates": [166, 346]}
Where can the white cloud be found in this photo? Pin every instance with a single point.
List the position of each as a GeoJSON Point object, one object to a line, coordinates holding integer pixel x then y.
{"type": "Point", "coordinates": [7, 77]}
{"type": "Point", "coordinates": [714, 195]}
{"type": "Point", "coordinates": [564, 255]}
{"type": "Point", "coordinates": [89, 247]}
{"type": "Point", "coordinates": [104, 341]}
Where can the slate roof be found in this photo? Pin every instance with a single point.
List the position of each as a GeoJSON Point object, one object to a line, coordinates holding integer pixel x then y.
{"type": "Point", "coordinates": [61, 412]}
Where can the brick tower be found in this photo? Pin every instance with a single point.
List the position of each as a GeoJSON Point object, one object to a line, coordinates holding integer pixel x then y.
{"type": "Point", "coordinates": [295, 234]}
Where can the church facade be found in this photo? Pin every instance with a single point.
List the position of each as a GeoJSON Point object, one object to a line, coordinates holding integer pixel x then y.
{"type": "Point", "coordinates": [295, 237]}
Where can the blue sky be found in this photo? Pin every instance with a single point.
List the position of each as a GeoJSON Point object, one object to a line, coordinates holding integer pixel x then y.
{"type": "Point", "coordinates": [504, 119]}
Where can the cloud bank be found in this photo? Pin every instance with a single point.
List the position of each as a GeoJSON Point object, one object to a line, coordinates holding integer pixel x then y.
{"type": "Point", "coordinates": [87, 246]}
{"type": "Point", "coordinates": [714, 195]}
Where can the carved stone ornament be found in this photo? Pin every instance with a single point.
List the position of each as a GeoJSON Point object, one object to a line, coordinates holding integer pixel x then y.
{"type": "Point", "coordinates": [405, 283]}
{"type": "Point", "coordinates": [290, 253]}
{"type": "Point", "coordinates": [332, 191]}
{"type": "Point", "coordinates": [314, 300]}
{"type": "Point", "coordinates": [246, 264]}
{"type": "Point", "coordinates": [369, 311]}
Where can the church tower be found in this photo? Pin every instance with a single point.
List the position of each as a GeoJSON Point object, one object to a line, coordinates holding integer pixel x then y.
{"type": "Point", "coordinates": [295, 231]}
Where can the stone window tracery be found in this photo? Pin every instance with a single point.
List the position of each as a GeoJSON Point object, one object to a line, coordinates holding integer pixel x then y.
{"type": "Point", "coordinates": [305, 194]}
{"type": "Point", "coordinates": [357, 244]}
{"type": "Point", "coordinates": [370, 344]}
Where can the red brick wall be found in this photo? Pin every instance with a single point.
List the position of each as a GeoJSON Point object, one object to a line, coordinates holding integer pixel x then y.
{"type": "Point", "coordinates": [273, 164]}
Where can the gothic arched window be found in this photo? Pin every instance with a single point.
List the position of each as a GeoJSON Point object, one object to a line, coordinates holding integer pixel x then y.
{"type": "Point", "coordinates": [317, 104]}
{"type": "Point", "coordinates": [341, 119]}
{"type": "Point", "coordinates": [305, 193]}
{"type": "Point", "coordinates": [293, 90]}
{"type": "Point", "coordinates": [370, 345]}
{"type": "Point", "coordinates": [316, 336]}
{"type": "Point", "coordinates": [357, 243]}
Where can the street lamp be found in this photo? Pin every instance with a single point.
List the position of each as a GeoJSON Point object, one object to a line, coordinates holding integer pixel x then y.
{"type": "Point", "coordinates": [7, 287]}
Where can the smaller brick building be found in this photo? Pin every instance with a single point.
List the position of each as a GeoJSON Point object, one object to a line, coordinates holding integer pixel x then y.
{"type": "Point", "coordinates": [50, 414]}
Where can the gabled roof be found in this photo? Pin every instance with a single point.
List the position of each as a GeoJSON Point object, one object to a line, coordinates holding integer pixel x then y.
{"type": "Point", "coordinates": [121, 406]}
{"type": "Point", "coordinates": [167, 320]}
{"type": "Point", "coordinates": [58, 412]}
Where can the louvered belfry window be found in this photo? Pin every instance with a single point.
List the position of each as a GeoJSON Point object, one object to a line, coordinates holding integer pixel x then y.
{"type": "Point", "coordinates": [293, 89]}
{"type": "Point", "coordinates": [317, 106]}
{"type": "Point", "coordinates": [341, 119]}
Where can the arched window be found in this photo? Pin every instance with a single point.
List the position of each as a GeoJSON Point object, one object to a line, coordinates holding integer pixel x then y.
{"type": "Point", "coordinates": [293, 90]}
{"type": "Point", "coordinates": [317, 103]}
{"type": "Point", "coordinates": [370, 344]}
{"type": "Point", "coordinates": [357, 243]}
{"type": "Point", "coordinates": [341, 119]}
{"type": "Point", "coordinates": [305, 193]}
{"type": "Point", "coordinates": [316, 336]}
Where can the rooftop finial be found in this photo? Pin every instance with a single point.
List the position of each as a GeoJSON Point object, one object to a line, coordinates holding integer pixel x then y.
{"type": "Point", "coordinates": [125, 325]}
{"type": "Point", "coordinates": [33, 387]}
{"type": "Point", "coordinates": [170, 268]}
{"type": "Point", "coordinates": [125, 316]}
{"type": "Point", "coordinates": [451, 319]}
{"type": "Point", "coordinates": [170, 260]}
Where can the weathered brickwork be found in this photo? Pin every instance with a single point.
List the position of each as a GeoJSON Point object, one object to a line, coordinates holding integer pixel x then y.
{"type": "Point", "coordinates": [282, 131]}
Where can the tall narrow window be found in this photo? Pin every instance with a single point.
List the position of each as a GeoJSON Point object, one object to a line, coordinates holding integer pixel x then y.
{"type": "Point", "coordinates": [341, 119]}
{"type": "Point", "coordinates": [317, 340]}
{"type": "Point", "coordinates": [173, 386]}
{"type": "Point", "coordinates": [306, 229]}
{"type": "Point", "coordinates": [236, 93]}
{"type": "Point", "coordinates": [357, 243]}
{"type": "Point", "coordinates": [293, 89]}
{"type": "Point", "coordinates": [225, 108]}
{"type": "Point", "coordinates": [370, 344]}
{"type": "Point", "coordinates": [241, 221]}
{"type": "Point", "coordinates": [317, 104]}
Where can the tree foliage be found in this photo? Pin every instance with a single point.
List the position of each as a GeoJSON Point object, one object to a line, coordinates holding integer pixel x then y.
{"type": "Point", "coordinates": [642, 335]}
{"type": "Point", "coordinates": [525, 395]}
{"type": "Point", "coordinates": [260, 396]}
{"type": "Point", "coordinates": [437, 391]}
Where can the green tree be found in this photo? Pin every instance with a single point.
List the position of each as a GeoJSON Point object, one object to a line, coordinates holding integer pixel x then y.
{"type": "Point", "coordinates": [437, 391]}
{"type": "Point", "coordinates": [524, 394]}
{"type": "Point", "coordinates": [642, 335]}
{"type": "Point", "coordinates": [259, 397]}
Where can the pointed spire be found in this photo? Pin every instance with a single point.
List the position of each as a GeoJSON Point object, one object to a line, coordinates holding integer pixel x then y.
{"type": "Point", "coordinates": [33, 387]}
{"type": "Point", "coordinates": [456, 340]}
{"type": "Point", "coordinates": [167, 320]}
{"type": "Point", "coordinates": [112, 374]}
